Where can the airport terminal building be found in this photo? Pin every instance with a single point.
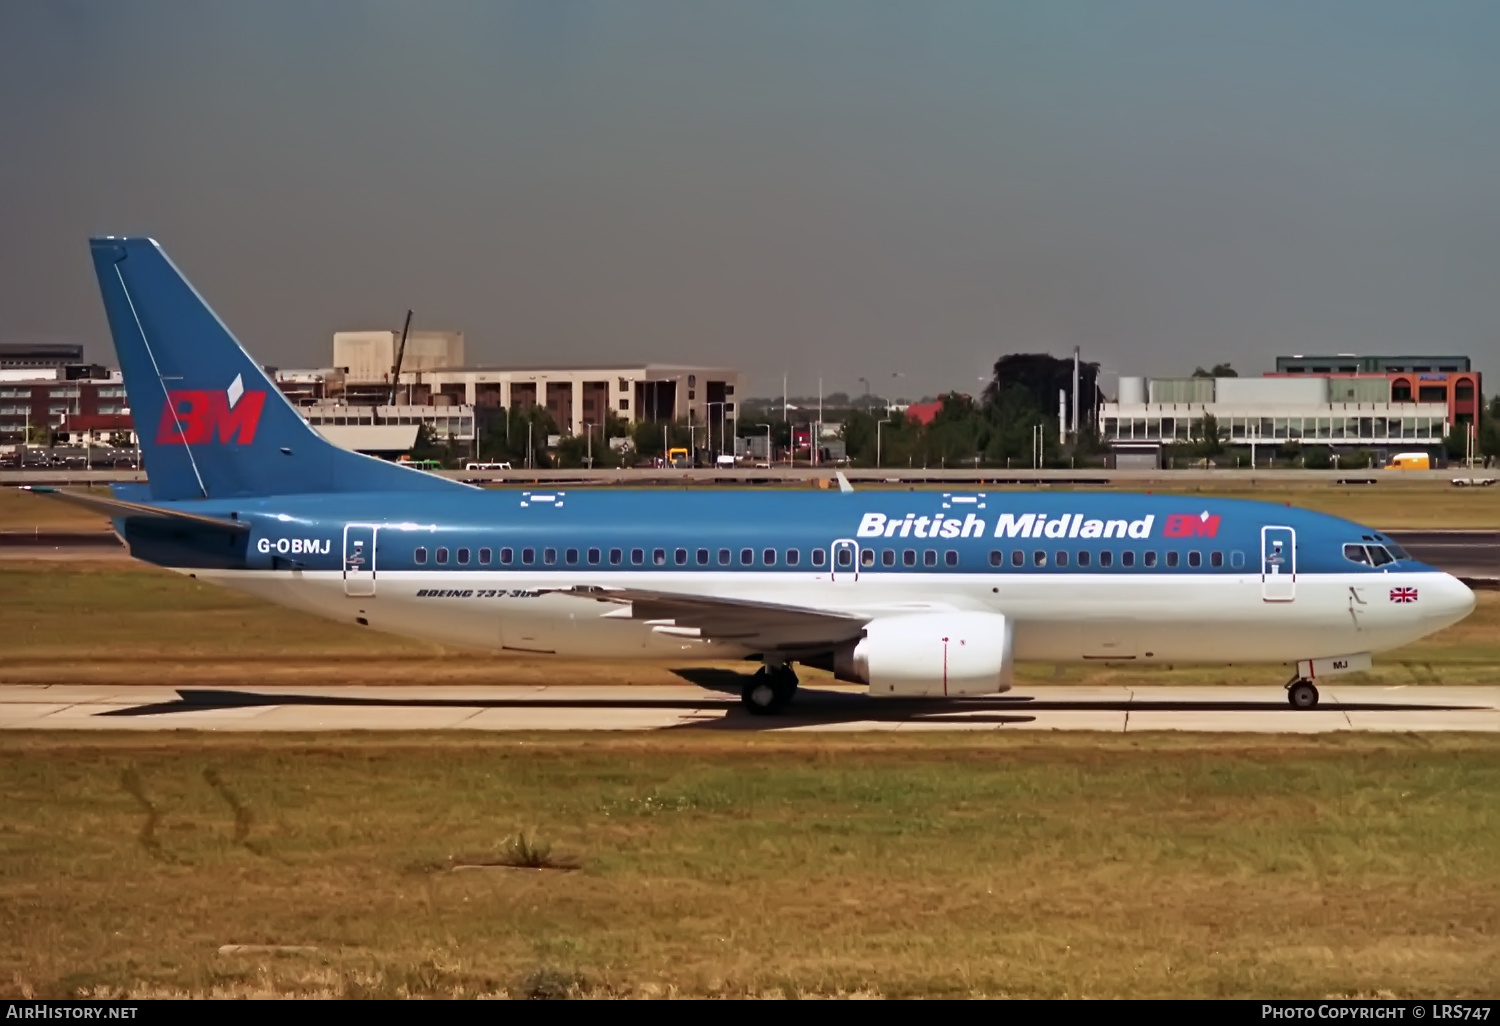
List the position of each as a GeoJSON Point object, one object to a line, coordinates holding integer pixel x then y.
{"type": "Point", "coordinates": [350, 400]}
{"type": "Point", "coordinates": [1382, 404]}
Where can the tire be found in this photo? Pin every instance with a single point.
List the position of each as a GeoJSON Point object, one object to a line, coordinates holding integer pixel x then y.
{"type": "Point", "coordinates": [767, 693]}
{"type": "Point", "coordinates": [1302, 695]}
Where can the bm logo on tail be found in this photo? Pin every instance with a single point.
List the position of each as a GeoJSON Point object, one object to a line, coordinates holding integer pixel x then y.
{"type": "Point", "coordinates": [194, 416]}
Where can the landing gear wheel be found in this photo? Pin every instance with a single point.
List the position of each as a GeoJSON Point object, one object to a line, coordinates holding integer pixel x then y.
{"type": "Point", "coordinates": [1302, 694]}
{"type": "Point", "coordinates": [769, 691]}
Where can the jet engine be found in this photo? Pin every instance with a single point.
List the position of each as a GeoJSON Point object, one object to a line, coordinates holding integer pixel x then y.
{"type": "Point", "coordinates": [958, 653]}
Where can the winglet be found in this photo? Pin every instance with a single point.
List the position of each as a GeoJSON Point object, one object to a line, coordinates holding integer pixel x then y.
{"type": "Point", "coordinates": [844, 485]}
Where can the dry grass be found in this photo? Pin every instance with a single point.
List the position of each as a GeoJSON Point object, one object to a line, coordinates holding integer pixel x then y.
{"type": "Point", "coordinates": [22, 511]}
{"type": "Point", "coordinates": [126, 623]}
{"type": "Point", "coordinates": [942, 865]}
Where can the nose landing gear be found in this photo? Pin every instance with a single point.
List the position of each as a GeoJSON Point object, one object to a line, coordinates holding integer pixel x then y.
{"type": "Point", "coordinates": [769, 691]}
{"type": "Point", "coordinates": [1301, 694]}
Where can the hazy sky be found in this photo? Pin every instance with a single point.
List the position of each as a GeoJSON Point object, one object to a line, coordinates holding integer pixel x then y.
{"type": "Point", "coordinates": [845, 189]}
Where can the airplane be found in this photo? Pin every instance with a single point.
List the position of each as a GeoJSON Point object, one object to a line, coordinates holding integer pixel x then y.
{"type": "Point", "coordinates": [912, 593]}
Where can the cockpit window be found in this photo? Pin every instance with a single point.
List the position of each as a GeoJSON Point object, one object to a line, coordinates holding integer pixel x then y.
{"type": "Point", "coordinates": [1397, 550]}
{"type": "Point", "coordinates": [1356, 554]}
{"type": "Point", "coordinates": [1379, 556]}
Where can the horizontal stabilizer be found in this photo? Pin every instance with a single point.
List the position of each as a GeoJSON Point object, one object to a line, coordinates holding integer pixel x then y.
{"type": "Point", "coordinates": [117, 509]}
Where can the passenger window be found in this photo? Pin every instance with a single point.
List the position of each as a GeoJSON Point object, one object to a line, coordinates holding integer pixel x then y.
{"type": "Point", "coordinates": [997, 558]}
{"type": "Point", "coordinates": [420, 555]}
{"type": "Point", "coordinates": [1106, 558]}
{"type": "Point", "coordinates": [463, 557]}
{"type": "Point", "coordinates": [1038, 558]}
{"type": "Point", "coordinates": [844, 557]}
{"type": "Point", "coordinates": [680, 557]}
{"type": "Point", "coordinates": [506, 555]}
{"type": "Point", "coordinates": [1356, 554]}
{"type": "Point", "coordinates": [888, 557]}
{"type": "Point", "coordinates": [951, 557]}
{"type": "Point", "coordinates": [819, 557]}
{"type": "Point", "coordinates": [929, 557]}
{"type": "Point", "coordinates": [1150, 559]}
{"type": "Point", "coordinates": [909, 557]}
{"type": "Point", "coordinates": [1195, 559]}
{"type": "Point", "coordinates": [571, 556]}
{"type": "Point", "coordinates": [1083, 557]}
{"type": "Point", "coordinates": [1018, 558]}
{"type": "Point", "coordinates": [1060, 558]}
{"type": "Point", "coordinates": [659, 557]}
{"type": "Point", "coordinates": [616, 557]}
{"type": "Point", "coordinates": [528, 556]}
{"type": "Point", "coordinates": [1216, 559]}
{"type": "Point", "coordinates": [549, 556]}
{"type": "Point", "coordinates": [1379, 556]}
{"type": "Point", "coordinates": [866, 557]}
{"type": "Point", "coordinates": [637, 556]}
{"type": "Point", "coordinates": [442, 555]}
{"type": "Point", "coordinates": [593, 557]}
{"type": "Point", "coordinates": [768, 557]}
{"type": "Point", "coordinates": [485, 555]}
{"type": "Point", "coordinates": [703, 557]}
{"type": "Point", "coordinates": [1172, 558]}
{"type": "Point", "coordinates": [724, 557]}
{"type": "Point", "coordinates": [1237, 560]}
{"type": "Point", "coordinates": [747, 556]}
{"type": "Point", "coordinates": [1127, 558]}
{"type": "Point", "coordinates": [792, 557]}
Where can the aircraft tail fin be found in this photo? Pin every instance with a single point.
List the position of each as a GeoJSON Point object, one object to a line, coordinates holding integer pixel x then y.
{"type": "Point", "coordinates": [211, 423]}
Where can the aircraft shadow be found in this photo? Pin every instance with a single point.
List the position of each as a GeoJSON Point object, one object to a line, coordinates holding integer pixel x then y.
{"type": "Point", "coordinates": [813, 706]}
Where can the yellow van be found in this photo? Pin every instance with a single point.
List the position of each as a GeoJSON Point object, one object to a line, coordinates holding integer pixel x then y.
{"type": "Point", "coordinates": [1409, 461]}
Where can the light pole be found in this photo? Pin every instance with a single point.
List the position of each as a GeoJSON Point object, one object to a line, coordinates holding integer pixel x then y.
{"type": "Point", "coordinates": [878, 425]}
{"type": "Point", "coordinates": [866, 383]}
{"type": "Point", "coordinates": [709, 407]}
{"type": "Point", "coordinates": [590, 429]}
{"type": "Point", "coordinates": [768, 443]}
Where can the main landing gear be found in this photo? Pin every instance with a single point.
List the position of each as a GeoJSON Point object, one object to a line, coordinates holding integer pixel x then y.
{"type": "Point", "coordinates": [1301, 694]}
{"type": "Point", "coordinates": [769, 691]}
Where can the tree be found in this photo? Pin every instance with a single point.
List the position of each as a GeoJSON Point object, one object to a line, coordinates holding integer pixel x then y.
{"type": "Point", "coordinates": [1211, 436]}
{"type": "Point", "coordinates": [1456, 445]}
{"type": "Point", "coordinates": [1317, 457]}
{"type": "Point", "coordinates": [1218, 370]}
{"type": "Point", "coordinates": [1042, 377]}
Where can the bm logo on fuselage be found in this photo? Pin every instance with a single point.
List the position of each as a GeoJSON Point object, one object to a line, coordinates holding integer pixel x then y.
{"type": "Point", "coordinates": [193, 416]}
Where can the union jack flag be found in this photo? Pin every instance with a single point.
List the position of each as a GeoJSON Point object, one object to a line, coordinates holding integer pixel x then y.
{"type": "Point", "coordinates": [1403, 594]}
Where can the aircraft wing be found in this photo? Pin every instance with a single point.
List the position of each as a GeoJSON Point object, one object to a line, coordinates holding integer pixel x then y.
{"type": "Point", "coordinates": [741, 621]}
{"type": "Point", "coordinates": [118, 508]}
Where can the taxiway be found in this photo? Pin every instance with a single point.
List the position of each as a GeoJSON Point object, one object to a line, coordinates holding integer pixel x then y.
{"type": "Point", "coordinates": [687, 707]}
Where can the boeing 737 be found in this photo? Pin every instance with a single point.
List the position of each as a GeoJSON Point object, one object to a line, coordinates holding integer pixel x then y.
{"type": "Point", "coordinates": [912, 593]}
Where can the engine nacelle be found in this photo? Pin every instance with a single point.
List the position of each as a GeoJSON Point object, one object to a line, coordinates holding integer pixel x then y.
{"type": "Point", "coordinates": [931, 654]}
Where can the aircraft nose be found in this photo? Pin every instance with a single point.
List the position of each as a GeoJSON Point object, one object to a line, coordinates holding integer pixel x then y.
{"type": "Point", "coordinates": [1454, 600]}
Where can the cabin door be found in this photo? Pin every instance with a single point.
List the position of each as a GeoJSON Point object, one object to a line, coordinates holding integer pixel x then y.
{"type": "Point", "coordinates": [359, 559]}
{"type": "Point", "coordinates": [1278, 564]}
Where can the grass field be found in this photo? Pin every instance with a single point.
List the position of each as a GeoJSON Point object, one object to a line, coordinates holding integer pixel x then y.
{"type": "Point", "coordinates": [1391, 505]}
{"type": "Point", "coordinates": [115, 622]}
{"type": "Point", "coordinates": [1003, 865]}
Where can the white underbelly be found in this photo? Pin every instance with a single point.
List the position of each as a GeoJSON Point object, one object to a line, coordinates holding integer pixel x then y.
{"type": "Point", "coordinates": [1058, 618]}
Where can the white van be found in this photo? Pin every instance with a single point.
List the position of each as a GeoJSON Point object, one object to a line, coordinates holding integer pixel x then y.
{"type": "Point", "coordinates": [486, 466]}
